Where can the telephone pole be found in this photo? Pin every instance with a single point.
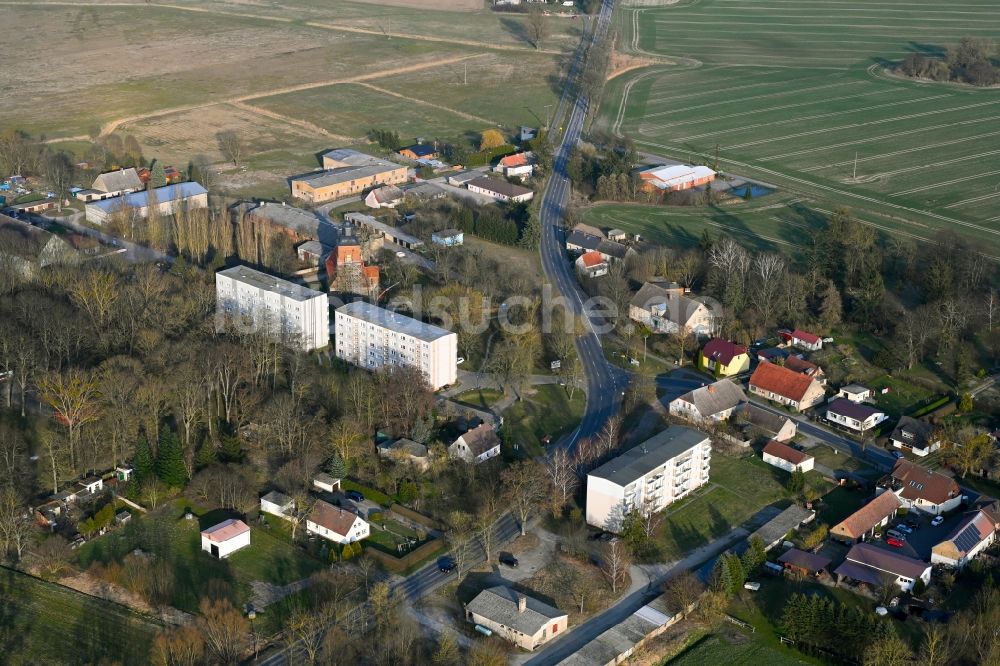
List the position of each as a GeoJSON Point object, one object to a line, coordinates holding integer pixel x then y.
{"type": "Point", "coordinates": [855, 176]}
{"type": "Point", "coordinates": [465, 76]}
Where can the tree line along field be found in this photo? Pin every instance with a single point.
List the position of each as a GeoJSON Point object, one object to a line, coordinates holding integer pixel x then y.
{"type": "Point", "coordinates": [134, 68]}
{"type": "Point", "coordinates": [791, 92]}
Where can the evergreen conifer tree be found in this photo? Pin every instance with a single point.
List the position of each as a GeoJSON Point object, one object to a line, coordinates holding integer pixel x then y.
{"type": "Point", "coordinates": [170, 459]}
{"type": "Point", "coordinates": [143, 462]}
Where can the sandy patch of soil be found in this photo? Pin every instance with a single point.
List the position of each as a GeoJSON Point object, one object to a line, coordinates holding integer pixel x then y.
{"type": "Point", "coordinates": [84, 582]}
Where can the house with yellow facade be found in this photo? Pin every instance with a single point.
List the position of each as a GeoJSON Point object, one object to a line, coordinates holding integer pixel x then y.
{"type": "Point", "coordinates": [345, 173]}
{"type": "Point", "coordinates": [723, 358]}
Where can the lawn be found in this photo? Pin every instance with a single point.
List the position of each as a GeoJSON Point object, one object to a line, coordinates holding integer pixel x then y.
{"type": "Point", "coordinates": [739, 488]}
{"type": "Point", "coordinates": [734, 648]}
{"type": "Point", "coordinates": [615, 351]}
{"type": "Point", "coordinates": [839, 503]}
{"type": "Point", "coordinates": [835, 460]}
{"type": "Point", "coordinates": [479, 398]}
{"type": "Point", "coordinates": [393, 535]}
{"type": "Point", "coordinates": [45, 623]}
{"type": "Point", "coordinates": [768, 225]}
{"type": "Point", "coordinates": [795, 94]}
{"type": "Point", "coordinates": [166, 534]}
{"type": "Point", "coordinates": [547, 412]}
{"type": "Point", "coordinates": [763, 609]}
{"type": "Point", "coordinates": [376, 496]}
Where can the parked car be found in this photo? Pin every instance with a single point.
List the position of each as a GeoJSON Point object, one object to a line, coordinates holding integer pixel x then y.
{"type": "Point", "coordinates": [400, 254]}
{"type": "Point", "coordinates": [751, 585]}
{"type": "Point", "coordinates": [354, 496]}
{"type": "Point", "coordinates": [897, 454]}
{"type": "Point", "coordinates": [912, 524]}
{"type": "Point", "coordinates": [904, 528]}
{"type": "Point", "coordinates": [894, 542]}
{"type": "Point", "coordinates": [446, 564]}
{"type": "Point", "coordinates": [508, 560]}
{"type": "Point", "coordinates": [893, 534]}
{"type": "Point", "coordinates": [937, 520]}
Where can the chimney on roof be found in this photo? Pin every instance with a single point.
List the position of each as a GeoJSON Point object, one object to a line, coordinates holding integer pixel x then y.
{"type": "Point", "coordinates": [522, 603]}
{"type": "Point", "coordinates": [711, 388]}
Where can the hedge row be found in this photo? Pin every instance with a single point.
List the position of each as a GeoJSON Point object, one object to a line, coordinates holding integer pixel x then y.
{"type": "Point", "coordinates": [401, 565]}
{"type": "Point", "coordinates": [926, 409]}
{"type": "Point", "coordinates": [484, 157]}
{"type": "Point", "coordinates": [410, 514]}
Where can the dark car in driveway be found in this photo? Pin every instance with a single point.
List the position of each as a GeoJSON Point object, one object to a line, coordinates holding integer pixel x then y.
{"type": "Point", "coordinates": [354, 496]}
{"type": "Point", "coordinates": [508, 560]}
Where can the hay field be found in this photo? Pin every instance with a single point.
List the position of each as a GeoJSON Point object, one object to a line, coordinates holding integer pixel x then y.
{"type": "Point", "coordinates": [293, 76]}
{"type": "Point", "coordinates": [791, 92]}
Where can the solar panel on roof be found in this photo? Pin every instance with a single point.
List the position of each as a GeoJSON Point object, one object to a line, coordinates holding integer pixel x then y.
{"type": "Point", "coordinates": [967, 538]}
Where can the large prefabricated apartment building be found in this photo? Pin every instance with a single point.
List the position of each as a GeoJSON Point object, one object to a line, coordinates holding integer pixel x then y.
{"type": "Point", "coordinates": [301, 316]}
{"type": "Point", "coordinates": [371, 337]}
{"type": "Point", "coordinates": [649, 476]}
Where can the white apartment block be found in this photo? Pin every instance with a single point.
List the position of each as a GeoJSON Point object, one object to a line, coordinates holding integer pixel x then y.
{"type": "Point", "coordinates": [372, 337]}
{"type": "Point", "coordinates": [648, 477]}
{"type": "Point", "coordinates": [298, 315]}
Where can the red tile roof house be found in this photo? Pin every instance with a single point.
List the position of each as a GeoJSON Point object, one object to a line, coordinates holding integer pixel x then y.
{"type": "Point", "coordinates": [786, 386]}
{"type": "Point", "coordinates": [336, 524]}
{"type": "Point", "coordinates": [591, 264]}
{"type": "Point", "coordinates": [804, 367]}
{"type": "Point", "coordinates": [921, 489]}
{"type": "Point", "coordinates": [517, 165]}
{"type": "Point", "coordinates": [786, 458]}
{"type": "Point", "coordinates": [863, 523]}
{"type": "Point", "coordinates": [226, 538]}
{"type": "Point", "coordinates": [854, 415]}
{"type": "Point", "coordinates": [803, 339]}
{"type": "Point", "coordinates": [871, 565]}
{"type": "Point", "coordinates": [973, 535]}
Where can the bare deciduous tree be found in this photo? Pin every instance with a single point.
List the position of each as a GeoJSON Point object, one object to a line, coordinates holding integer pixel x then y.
{"type": "Point", "coordinates": [563, 480]}
{"type": "Point", "coordinates": [768, 270]}
{"type": "Point", "coordinates": [73, 396]}
{"type": "Point", "coordinates": [615, 564]}
{"type": "Point", "coordinates": [682, 591]}
{"type": "Point", "coordinates": [16, 524]}
{"type": "Point", "coordinates": [231, 145]}
{"type": "Point", "coordinates": [609, 434]}
{"type": "Point", "coordinates": [525, 486]}
{"type": "Point", "coordinates": [225, 630]}
{"type": "Point", "coordinates": [538, 26]}
{"type": "Point", "coordinates": [180, 646]}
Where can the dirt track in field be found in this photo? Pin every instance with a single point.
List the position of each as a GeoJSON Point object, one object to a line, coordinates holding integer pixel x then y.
{"type": "Point", "coordinates": [446, 5]}
{"type": "Point", "coordinates": [111, 126]}
{"type": "Point", "coordinates": [278, 19]}
{"type": "Point", "coordinates": [414, 100]}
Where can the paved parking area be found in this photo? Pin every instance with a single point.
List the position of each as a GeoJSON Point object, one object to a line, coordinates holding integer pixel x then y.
{"type": "Point", "coordinates": [923, 539]}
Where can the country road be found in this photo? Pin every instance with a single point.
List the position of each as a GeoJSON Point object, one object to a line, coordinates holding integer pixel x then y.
{"type": "Point", "coordinates": [605, 383]}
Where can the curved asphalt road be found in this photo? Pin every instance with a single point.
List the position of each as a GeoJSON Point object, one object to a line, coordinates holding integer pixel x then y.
{"type": "Point", "coordinates": [605, 383]}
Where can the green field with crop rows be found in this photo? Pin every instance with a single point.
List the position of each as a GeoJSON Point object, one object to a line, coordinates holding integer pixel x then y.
{"type": "Point", "coordinates": [795, 93]}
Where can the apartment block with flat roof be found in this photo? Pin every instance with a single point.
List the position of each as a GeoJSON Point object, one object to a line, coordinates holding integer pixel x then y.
{"type": "Point", "coordinates": [298, 315]}
{"type": "Point", "coordinates": [649, 476]}
{"type": "Point", "coordinates": [372, 337]}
